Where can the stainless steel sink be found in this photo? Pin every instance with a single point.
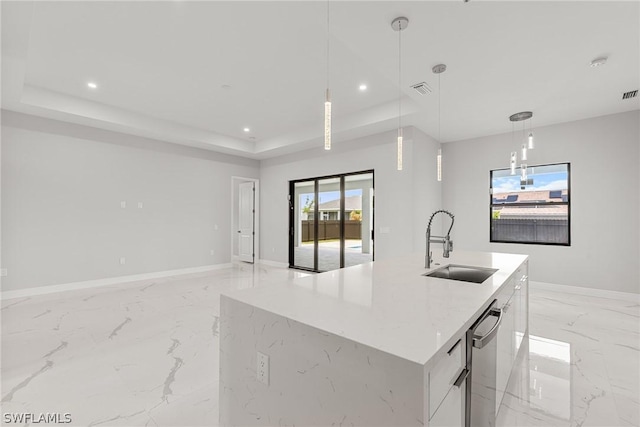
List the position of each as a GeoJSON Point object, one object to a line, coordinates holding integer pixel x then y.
{"type": "Point", "coordinates": [464, 273]}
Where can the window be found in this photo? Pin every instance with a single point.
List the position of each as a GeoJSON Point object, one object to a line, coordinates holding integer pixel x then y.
{"type": "Point", "coordinates": [535, 211]}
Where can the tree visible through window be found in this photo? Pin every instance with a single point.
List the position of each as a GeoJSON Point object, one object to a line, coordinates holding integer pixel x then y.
{"type": "Point", "coordinates": [536, 211]}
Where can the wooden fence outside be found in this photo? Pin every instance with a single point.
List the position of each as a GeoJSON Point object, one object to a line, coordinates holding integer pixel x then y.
{"type": "Point", "coordinates": [330, 230]}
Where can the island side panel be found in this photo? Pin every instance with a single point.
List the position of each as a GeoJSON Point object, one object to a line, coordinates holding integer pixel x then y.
{"type": "Point", "coordinates": [316, 378]}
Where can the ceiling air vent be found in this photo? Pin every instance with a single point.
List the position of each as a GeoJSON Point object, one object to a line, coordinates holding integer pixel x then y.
{"type": "Point", "coordinates": [422, 88]}
{"type": "Point", "coordinates": [630, 94]}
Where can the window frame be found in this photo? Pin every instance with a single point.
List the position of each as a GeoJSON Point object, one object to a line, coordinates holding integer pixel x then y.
{"type": "Point", "coordinates": [561, 203]}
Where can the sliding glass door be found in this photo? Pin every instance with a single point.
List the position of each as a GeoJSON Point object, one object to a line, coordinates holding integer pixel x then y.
{"type": "Point", "coordinates": [331, 221]}
{"type": "Point", "coordinates": [328, 242]}
{"type": "Point", "coordinates": [359, 219]}
{"type": "Point", "coordinates": [303, 203]}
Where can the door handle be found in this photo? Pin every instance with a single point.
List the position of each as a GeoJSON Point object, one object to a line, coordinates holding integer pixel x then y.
{"type": "Point", "coordinates": [481, 341]}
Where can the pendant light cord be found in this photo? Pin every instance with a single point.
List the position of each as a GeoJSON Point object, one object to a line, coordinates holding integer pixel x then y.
{"type": "Point", "coordinates": [439, 112]}
{"type": "Point", "coordinates": [328, 32]}
{"type": "Point", "coordinates": [400, 78]}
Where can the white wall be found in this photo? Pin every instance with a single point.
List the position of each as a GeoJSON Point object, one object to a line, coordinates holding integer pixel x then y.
{"type": "Point", "coordinates": [605, 191]}
{"type": "Point", "coordinates": [62, 185]}
{"type": "Point", "coordinates": [403, 199]}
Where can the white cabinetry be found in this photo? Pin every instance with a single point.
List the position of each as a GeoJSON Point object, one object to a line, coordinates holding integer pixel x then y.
{"type": "Point", "coordinates": [513, 299]}
{"type": "Point", "coordinates": [446, 400]}
{"type": "Point", "coordinates": [451, 410]}
{"type": "Point", "coordinates": [447, 387]}
{"type": "Point", "coordinates": [521, 305]}
{"type": "Point", "coordinates": [505, 347]}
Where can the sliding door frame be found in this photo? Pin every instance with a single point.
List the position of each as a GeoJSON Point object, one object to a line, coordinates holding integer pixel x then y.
{"type": "Point", "coordinates": [316, 217]}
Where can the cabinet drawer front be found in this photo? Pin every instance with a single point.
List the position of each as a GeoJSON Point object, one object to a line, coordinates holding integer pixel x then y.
{"type": "Point", "coordinates": [443, 375]}
{"type": "Point", "coordinates": [451, 411]}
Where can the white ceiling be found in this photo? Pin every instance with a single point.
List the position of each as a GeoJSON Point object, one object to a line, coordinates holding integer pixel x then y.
{"type": "Point", "coordinates": [161, 67]}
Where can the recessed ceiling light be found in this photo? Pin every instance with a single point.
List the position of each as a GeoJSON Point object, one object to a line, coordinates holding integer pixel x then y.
{"type": "Point", "coordinates": [363, 87]}
{"type": "Point", "coordinates": [599, 61]}
{"type": "Point", "coordinates": [247, 130]}
{"type": "Point", "coordinates": [92, 85]}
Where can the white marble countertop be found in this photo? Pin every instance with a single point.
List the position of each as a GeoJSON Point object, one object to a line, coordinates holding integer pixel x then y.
{"type": "Point", "coordinates": [389, 305]}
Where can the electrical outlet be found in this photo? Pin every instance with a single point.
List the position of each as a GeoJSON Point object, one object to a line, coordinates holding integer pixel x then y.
{"type": "Point", "coordinates": [213, 252]}
{"type": "Point", "coordinates": [215, 226]}
{"type": "Point", "coordinates": [123, 205]}
{"type": "Point", "coordinates": [123, 260]}
{"type": "Point", "coordinates": [262, 371]}
{"type": "Point", "coordinates": [140, 205]}
{"type": "Point", "coordinates": [3, 272]}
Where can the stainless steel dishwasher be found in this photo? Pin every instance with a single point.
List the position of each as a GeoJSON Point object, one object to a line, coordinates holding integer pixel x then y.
{"type": "Point", "coordinates": [480, 406]}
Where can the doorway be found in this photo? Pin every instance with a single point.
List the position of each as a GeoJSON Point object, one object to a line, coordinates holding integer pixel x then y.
{"type": "Point", "coordinates": [244, 214]}
{"type": "Point", "coordinates": [331, 221]}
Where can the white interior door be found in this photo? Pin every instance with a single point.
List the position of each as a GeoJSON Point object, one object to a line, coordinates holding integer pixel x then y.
{"type": "Point", "coordinates": [246, 232]}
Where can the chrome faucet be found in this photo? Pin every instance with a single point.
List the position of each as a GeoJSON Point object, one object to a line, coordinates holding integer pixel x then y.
{"type": "Point", "coordinates": [447, 243]}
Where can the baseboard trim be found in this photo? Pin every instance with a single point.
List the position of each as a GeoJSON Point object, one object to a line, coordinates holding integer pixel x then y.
{"type": "Point", "coordinates": [578, 290]}
{"type": "Point", "coordinates": [43, 290]}
{"type": "Point", "coordinates": [273, 263]}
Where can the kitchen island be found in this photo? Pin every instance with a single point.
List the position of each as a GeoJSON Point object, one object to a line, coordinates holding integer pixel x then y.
{"type": "Point", "coordinates": [373, 344]}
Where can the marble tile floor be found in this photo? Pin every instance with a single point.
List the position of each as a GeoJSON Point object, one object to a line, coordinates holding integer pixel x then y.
{"type": "Point", "coordinates": [146, 354]}
{"type": "Point", "coordinates": [582, 367]}
{"type": "Point", "coordinates": [329, 255]}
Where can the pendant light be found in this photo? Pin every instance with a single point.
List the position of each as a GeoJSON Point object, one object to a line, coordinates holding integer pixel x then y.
{"type": "Point", "coordinates": [439, 69]}
{"type": "Point", "coordinates": [327, 99]}
{"type": "Point", "coordinates": [514, 160]}
{"type": "Point", "coordinates": [399, 24]}
{"type": "Point", "coordinates": [526, 145]}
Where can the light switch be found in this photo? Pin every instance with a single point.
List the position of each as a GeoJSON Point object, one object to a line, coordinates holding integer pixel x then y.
{"type": "Point", "coordinates": [123, 205]}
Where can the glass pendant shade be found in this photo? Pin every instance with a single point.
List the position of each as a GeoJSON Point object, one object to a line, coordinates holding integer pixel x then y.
{"type": "Point", "coordinates": [327, 123]}
{"type": "Point", "coordinates": [526, 143]}
{"type": "Point", "coordinates": [327, 99]}
{"type": "Point", "coordinates": [399, 149]}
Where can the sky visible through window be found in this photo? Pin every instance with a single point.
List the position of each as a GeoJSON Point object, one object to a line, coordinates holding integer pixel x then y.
{"type": "Point", "coordinates": [544, 178]}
